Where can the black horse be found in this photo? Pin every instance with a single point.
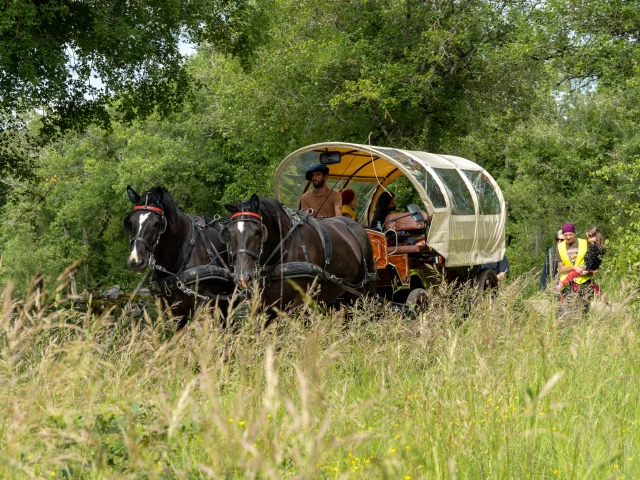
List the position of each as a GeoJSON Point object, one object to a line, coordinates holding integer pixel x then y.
{"type": "Point", "coordinates": [184, 252]}
{"type": "Point", "coordinates": [272, 243]}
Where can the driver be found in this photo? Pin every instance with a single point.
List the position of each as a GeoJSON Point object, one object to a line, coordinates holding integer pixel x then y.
{"type": "Point", "coordinates": [322, 201]}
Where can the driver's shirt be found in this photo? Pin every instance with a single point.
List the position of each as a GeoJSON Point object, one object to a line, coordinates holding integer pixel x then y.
{"type": "Point", "coordinates": [321, 206]}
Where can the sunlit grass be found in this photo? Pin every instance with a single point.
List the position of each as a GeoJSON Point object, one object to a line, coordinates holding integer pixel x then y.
{"type": "Point", "coordinates": [506, 391]}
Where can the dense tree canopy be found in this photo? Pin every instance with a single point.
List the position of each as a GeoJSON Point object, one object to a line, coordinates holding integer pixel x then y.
{"type": "Point", "coordinates": [544, 95]}
{"type": "Point", "coordinates": [70, 61]}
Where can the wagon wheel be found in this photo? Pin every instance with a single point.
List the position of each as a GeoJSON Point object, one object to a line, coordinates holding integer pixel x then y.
{"type": "Point", "coordinates": [487, 283]}
{"type": "Point", "coordinates": [418, 299]}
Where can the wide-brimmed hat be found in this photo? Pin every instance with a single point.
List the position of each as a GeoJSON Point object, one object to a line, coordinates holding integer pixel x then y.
{"type": "Point", "coordinates": [316, 168]}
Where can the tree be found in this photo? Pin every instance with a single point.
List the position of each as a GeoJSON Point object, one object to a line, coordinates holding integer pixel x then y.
{"type": "Point", "coordinates": [70, 61]}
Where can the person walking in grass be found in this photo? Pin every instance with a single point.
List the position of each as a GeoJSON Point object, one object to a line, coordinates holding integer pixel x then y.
{"type": "Point", "coordinates": [501, 268]}
{"type": "Point", "coordinates": [592, 260]}
{"type": "Point", "coordinates": [550, 267]}
{"type": "Point", "coordinates": [570, 258]}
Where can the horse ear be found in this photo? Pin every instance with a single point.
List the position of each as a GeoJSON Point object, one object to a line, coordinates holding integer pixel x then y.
{"type": "Point", "coordinates": [133, 196]}
{"type": "Point", "coordinates": [254, 202]}
{"type": "Point", "coordinates": [156, 196]}
{"type": "Point", "coordinates": [126, 223]}
{"type": "Point", "coordinates": [232, 208]}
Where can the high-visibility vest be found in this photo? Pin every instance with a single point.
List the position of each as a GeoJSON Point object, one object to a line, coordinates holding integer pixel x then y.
{"type": "Point", "coordinates": [349, 210]}
{"type": "Point", "coordinates": [583, 245]}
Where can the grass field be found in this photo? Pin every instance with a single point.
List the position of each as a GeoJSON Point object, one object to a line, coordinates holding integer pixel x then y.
{"type": "Point", "coordinates": [508, 391]}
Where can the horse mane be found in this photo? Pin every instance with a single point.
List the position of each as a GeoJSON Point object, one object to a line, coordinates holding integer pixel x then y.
{"type": "Point", "coordinates": [273, 208]}
{"type": "Point", "coordinates": [171, 210]}
{"type": "Point", "coordinates": [270, 206]}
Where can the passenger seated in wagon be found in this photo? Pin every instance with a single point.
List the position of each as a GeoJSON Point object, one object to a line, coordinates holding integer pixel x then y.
{"type": "Point", "coordinates": [410, 233]}
{"type": "Point", "coordinates": [321, 201]}
{"type": "Point", "coordinates": [386, 204]}
{"type": "Point", "coordinates": [407, 234]}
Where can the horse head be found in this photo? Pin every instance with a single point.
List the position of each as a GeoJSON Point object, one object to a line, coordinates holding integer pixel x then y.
{"type": "Point", "coordinates": [145, 224]}
{"type": "Point", "coordinates": [245, 235]}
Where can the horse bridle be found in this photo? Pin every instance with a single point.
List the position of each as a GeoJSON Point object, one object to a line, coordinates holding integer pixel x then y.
{"type": "Point", "coordinates": [161, 230]}
{"type": "Point", "coordinates": [263, 239]}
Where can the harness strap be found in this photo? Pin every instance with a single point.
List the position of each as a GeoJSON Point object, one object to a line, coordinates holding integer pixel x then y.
{"type": "Point", "coordinates": [192, 245]}
{"type": "Point", "coordinates": [165, 286]}
{"type": "Point", "coordinates": [201, 225]}
{"type": "Point", "coordinates": [370, 274]}
{"type": "Point", "coordinates": [186, 259]}
{"type": "Point", "coordinates": [251, 214]}
{"type": "Point", "coordinates": [146, 207]}
{"type": "Point", "coordinates": [325, 239]}
{"type": "Point", "coordinates": [246, 251]}
{"type": "Point", "coordinates": [304, 248]}
{"type": "Point", "coordinates": [310, 270]}
{"type": "Point", "coordinates": [296, 223]}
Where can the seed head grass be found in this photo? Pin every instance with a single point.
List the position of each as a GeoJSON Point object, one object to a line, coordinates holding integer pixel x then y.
{"type": "Point", "coordinates": [502, 389]}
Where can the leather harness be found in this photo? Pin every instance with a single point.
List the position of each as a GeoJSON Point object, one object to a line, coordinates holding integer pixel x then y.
{"type": "Point", "coordinates": [183, 278]}
{"type": "Point", "coordinates": [282, 271]}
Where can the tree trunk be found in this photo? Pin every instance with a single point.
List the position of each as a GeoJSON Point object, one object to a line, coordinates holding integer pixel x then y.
{"type": "Point", "coordinates": [85, 254]}
{"type": "Point", "coordinates": [72, 274]}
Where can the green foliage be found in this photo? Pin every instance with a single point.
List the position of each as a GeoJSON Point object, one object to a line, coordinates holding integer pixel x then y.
{"type": "Point", "coordinates": [543, 96]}
{"type": "Point", "coordinates": [72, 60]}
{"type": "Point", "coordinates": [625, 246]}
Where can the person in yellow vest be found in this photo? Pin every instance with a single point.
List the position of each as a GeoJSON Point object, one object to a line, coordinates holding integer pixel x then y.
{"type": "Point", "coordinates": [570, 258]}
{"type": "Point", "coordinates": [349, 203]}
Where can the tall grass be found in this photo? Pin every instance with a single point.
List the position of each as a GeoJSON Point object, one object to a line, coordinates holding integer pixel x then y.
{"type": "Point", "coordinates": [507, 391]}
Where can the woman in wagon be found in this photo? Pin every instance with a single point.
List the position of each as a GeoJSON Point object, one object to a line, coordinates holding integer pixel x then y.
{"type": "Point", "coordinates": [570, 258]}
{"type": "Point", "coordinates": [349, 201]}
{"type": "Point", "coordinates": [385, 205]}
{"type": "Point", "coordinates": [321, 201]}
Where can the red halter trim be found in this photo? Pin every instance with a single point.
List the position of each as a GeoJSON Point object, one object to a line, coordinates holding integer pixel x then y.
{"type": "Point", "coordinates": [153, 209]}
{"type": "Point", "coordinates": [251, 214]}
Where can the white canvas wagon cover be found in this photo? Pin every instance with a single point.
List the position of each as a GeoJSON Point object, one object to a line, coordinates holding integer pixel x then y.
{"type": "Point", "coordinates": [465, 202]}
